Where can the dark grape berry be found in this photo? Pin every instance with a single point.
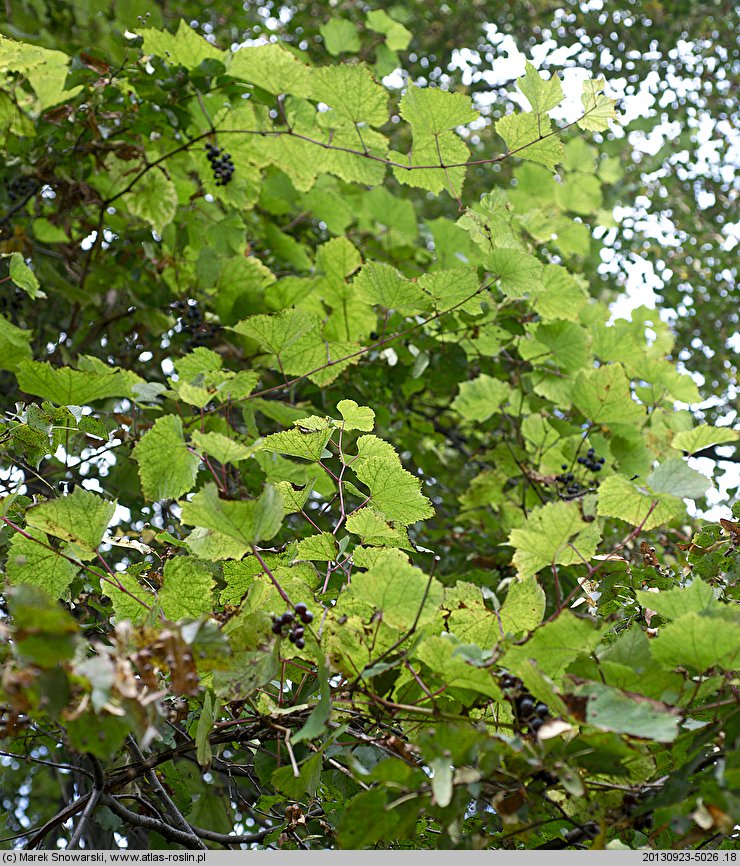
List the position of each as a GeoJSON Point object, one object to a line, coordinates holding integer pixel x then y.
{"type": "Point", "coordinates": [542, 710]}
{"type": "Point", "coordinates": [300, 608]}
{"type": "Point", "coordinates": [300, 643]}
{"type": "Point", "coordinates": [277, 627]}
{"type": "Point", "coordinates": [307, 617]}
{"type": "Point", "coordinates": [221, 164]}
{"type": "Point", "coordinates": [298, 632]}
{"type": "Point", "coordinates": [291, 637]}
{"type": "Point", "coordinates": [526, 706]}
{"type": "Point", "coordinates": [535, 725]}
{"type": "Point", "coordinates": [288, 616]}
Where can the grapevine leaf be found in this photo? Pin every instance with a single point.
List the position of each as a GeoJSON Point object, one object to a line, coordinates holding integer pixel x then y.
{"type": "Point", "coordinates": [542, 93]}
{"type": "Point", "coordinates": [529, 136]}
{"type": "Point", "coordinates": [394, 491]}
{"type": "Point", "coordinates": [14, 345]}
{"type": "Point", "coordinates": [247, 522]}
{"type": "Point", "coordinates": [554, 534]}
{"type": "Point", "coordinates": [481, 398]}
{"type": "Point", "coordinates": [674, 476]}
{"type": "Point", "coordinates": [187, 588]}
{"type": "Point", "coordinates": [599, 109]}
{"type": "Point", "coordinates": [30, 562]}
{"type": "Point", "coordinates": [167, 468]}
{"type": "Point", "coordinates": [619, 497]}
{"type": "Point", "coordinates": [432, 111]}
{"type": "Point", "coordinates": [80, 518]}
{"type": "Point", "coordinates": [702, 437]}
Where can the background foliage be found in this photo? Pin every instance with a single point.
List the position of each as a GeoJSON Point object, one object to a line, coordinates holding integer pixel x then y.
{"type": "Point", "coordinates": [332, 486]}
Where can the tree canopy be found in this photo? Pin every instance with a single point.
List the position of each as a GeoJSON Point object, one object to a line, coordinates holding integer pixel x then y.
{"type": "Point", "coordinates": [332, 486]}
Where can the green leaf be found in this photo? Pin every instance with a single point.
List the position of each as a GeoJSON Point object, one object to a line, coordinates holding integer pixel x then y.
{"type": "Point", "coordinates": [529, 136]}
{"type": "Point", "coordinates": [454, 288]}
{"type": "Point", "coordinates": [80, 518]}
{"type": "Point", "coordinates": [619, 497]}
{"type": "Point", "coordinates": [554, 534]}
{"type": "Point", "coordinates": [373, 529]}
{"type": "Point", "coordinates": [433, 111]}
{"type": "Point", "coordinates": [698, 597]}
{"type": "Point", "coordinates": [518, 272]}
{"type": "Point", "coordinates": [397, 37]}
{"type": "Point", "coordinates": [599, 109]}
{"type": "Point", "coordinates": [398, 591]}
{"type": "Point", "coordinates": [167, 468]}
{"type": "Point", "coordinates": [187, 588]}
{"type": "Point", "coordinates": [125, 604]}
{"type": "Point", "coordinates": [154, 199]}
{"type": "Point", "coordinates": [674, 476]}
{"type": "Point", "coordinates": [67, 387]}
{"type": "Point", "coordinates": [420, 170]}
{"type": "Point", "coordinates": [356, 417]}
{"type": "Point", "coordinates": [247, 672]}
{"type": "Point", "coordinates": [273, 68]}
{"type": "Point", "coordinates": [309, 445]}
{"type": "Point", "coordinates": [353, 94]}
{"type": "Point", "coordinates": [611, 710]}
{"type": "Point", "coordinates": [542, 93]}
{"type": "Point", "coordinates": [293, 498]}
{"type": "Point", "coordinates": [185, 48]}
{"type": "Point", "coordinates": [382, 284]}
{"type": "Point", "coordinates": [301, 786]}
{"type": "Point", "coordinates": [319, 548]}
{"type": "Point", "coordinates": [561, 295]}
{"type": "Point", "coordinates": [30, 562]}
{"type": "Point", "coordinates": [246, 522]}
{"type": "Point", "coordinates": [316, 722]}
{"type": "Point", "coordinates": [555, 644]}
{"type": "Point", "coordinates": [441, 781]}
{"type": "Point", "coordinates": [603, 396]}
{"type": "Point", "coordinates": [356, 831]}
{"type": "Point", "coordinates": [208, 716]}
{"type": "Point", "coordinates": [340, 36]}
{"type": "Point", "coordinates": [14, 345]}
{"type": "Point", "coordinates": [223, 448]}
{"type": "Point", "coordinates": [481, 398]}
{"type": "Point", "coordinates": [23, 276]}
{"type": "Point", "coordinates": [697, 642]}
{"type": "Point", "coordinates": [702, 437]}
{"type": "Point", "coordinates": [394, 491]}
{"type": "Point", "coordinates": [440, 653]}
{"type": "Point", "coordinates": [523, 607]}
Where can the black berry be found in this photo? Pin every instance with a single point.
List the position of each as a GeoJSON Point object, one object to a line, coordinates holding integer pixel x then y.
{"type": "Point", "coordinates": [526, 706]}
{"type": "Point", "coordinates": [541, 710]}
{"type": "Point", "coordinates": [300, 643]}
{"type": "Point", "coordinates": [307, 617]}
{"type": "Point", "coordinates": [221, 164]}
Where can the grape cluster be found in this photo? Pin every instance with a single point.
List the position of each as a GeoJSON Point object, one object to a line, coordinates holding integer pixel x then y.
{"type": "Point", "coordinates": [294, 628]}
{"type": "Point", "coordinates": [591, 461]}
{"type": "Point", "coordinates": [573, 487]}
{"type": "Point", "coordinates": [530, 713]}
{"type": "Point", "coordinates": [190, 318]}
{"type": "Point", "coordinates": [21, 187]}
{"type": "Point", "coordinates": [223, 167]}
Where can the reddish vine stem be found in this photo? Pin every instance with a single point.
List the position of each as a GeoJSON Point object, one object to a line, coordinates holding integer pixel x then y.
{"type": "Point", "coordinates": [275, 582]}
{"type": "Point", "coordinates": [112, 581]}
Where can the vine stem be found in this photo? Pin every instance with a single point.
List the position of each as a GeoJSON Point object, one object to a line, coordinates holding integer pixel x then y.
{"type": "Point", "coordinates": [111, 580]}
{"type": "Point", "coordinates": [276, 583]}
